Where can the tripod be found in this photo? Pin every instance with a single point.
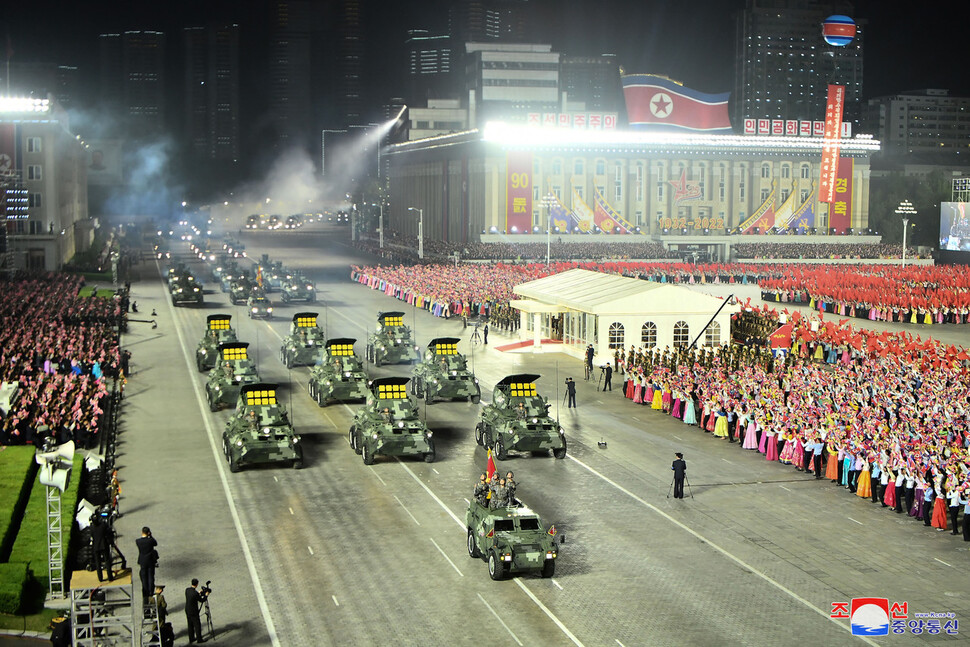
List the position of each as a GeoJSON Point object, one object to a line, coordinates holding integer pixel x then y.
{"type": "Point", "coordinates": [208, 633]}
{"type": "Point", "coordinates": [686, 482]}
{"type": "Point", "coordinates": [475, 338]}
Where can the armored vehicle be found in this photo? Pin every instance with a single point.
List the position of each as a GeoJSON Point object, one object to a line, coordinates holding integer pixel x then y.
{"type": "Point", "coordinates": [304, 345]}
{"type": "Point", "coordinates": [176, 273]}
{"type": "Point", "coordinates": [392, 343]}
{"type": "Point", "coordinates": [229, 276]}
{"type": "Point", "coordinates": [511, 539]}
{"type": "Point", "coordinates": [217, 331]}
{"type": "Point", "coordinates": [271, 273]}
{"type": "Point", "coordinates": [258, 306]}
{"type": "Point", "coordinates": [388, 424]}
{"type": "Point", "coordinates": [339, 375]}
{"type": "Point", "coordinates": [234, 371]}
{"type": "Point", "coordinates": [297, 287]}
{"type": "Point", "coordinates": [518, 420]}
{"type": "Point", "coordinates": [223, 265]}
{"type": "Point", "coordinates": [260, 431]}
{"type": "Point", "coordinates": [187, 290]}
{"type": "Point", "coordinates": [241, 289]}
{"type": "Point", "coordinates": [444, 374]}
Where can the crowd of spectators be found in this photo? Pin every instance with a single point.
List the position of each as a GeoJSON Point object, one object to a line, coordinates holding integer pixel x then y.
{"type": "Point", "coordinates": [60, 347]}
{"type": "Point", "coordinates": [883, 415]}
{"type": "Point", "coordinates": [820, 251]}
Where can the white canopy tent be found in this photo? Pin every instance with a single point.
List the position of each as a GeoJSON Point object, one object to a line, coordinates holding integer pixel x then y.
{"type": "Point", "coordinates": [615, 312]}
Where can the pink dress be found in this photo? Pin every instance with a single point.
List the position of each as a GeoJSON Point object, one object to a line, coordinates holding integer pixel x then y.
{"type": "Point", "coordinates": [772, 454]}
{"type": "Point", "coordinates": [751, 436]}
{"type": "Point", "coordinates": [637, 399]}
{"type": "Point", "coordinates": [675, 411]}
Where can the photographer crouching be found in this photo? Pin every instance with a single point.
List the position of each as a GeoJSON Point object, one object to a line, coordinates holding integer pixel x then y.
{"type": "Point", "coordinates": [194, 601]}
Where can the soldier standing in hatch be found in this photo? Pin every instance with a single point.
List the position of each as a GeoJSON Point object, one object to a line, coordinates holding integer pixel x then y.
{"type": "Point", "coordinates": [386, 415]}
{"type": "Point", "coordinates": [481, 490]}
{"type": "Point", "coordinates": [499, 494]}
{"type": "Point", "coordinates": [510, 486]}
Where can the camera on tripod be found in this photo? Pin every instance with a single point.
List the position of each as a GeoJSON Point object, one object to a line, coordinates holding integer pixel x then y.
{"type": "Point", "coordinates": [205, 589]}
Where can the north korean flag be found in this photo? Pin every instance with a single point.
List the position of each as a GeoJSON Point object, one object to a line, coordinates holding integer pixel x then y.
{"type": "Point", "coordinates": [656, 103]}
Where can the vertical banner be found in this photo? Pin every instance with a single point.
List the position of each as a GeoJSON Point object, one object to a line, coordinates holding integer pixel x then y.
{"type": "Point", "coordinates": [518, 192]}
{"type": "Point", "coordinates": [840, 209]}
{"type": "Point", "coordinates": [830, 143]}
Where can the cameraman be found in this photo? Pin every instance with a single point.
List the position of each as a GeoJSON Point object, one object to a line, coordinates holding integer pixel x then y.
{"type": "Point", "coordinates": [571, 392]}
{"type": "Point", "coordinates": [193, 602]}
{"type": "Point", "coordinates": [607, 370]}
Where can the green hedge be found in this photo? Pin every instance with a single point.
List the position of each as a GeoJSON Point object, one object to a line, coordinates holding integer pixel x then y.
{"type": "Point", "coordinates": [13, 583]}
{"type": "Point", "coordinates": [17, 472]}
{"type": "Point", "coordinates": [30, 546]}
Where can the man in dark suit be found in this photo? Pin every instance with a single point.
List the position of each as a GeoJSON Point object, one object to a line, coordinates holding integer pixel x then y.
{"type": "Point", "coordinates": [147, 561]}
{"type": "Point", "coordinates": [680, 472]}
{"type": "Point", "coordinates": [193, 601]}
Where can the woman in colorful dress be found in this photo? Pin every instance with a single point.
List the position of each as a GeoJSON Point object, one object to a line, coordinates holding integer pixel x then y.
{"type": "Point", "coordinates": [750, 430]}
{"type": "Point", "coordinates": [919, 498]}
{"type": "Point", "coordinates": [831, 463]}
{"type": "Point", "coordinates": [938, 520]}
{"type": "Point", "coordinates": [712, 419]}
{"type": "Point", "coordinates": [705, 413]}
{"type": "Point", "coordinates": [864, 484]}
{"type": "Point", "coordinates": [637, 390]}
{"type": "Point", "coordinates": [720, 423]}
{"type": "Point", "coordinates": [889, 496]}
{"type": "Point", "coordinates": [666, 398]}
{"type": "Point", "coordinates": [690, 410]}
{"type": "Point", "coordinates": [631, 383]}
{"type": "Point", "coordinates": [647, 397]}
{"type": "Point", "coordinates": [657, 403]}
{"type": "Point", "coordinates": [788, 450]}
{"type": "Point", "coordinates": [772, 447]}
{"type": "Point", "coordinates": [676, 409]}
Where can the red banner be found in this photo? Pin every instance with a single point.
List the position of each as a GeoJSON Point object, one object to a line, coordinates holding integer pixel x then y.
{"type": "Point", "coordinates": [518, 192]}
{"type": "Point", "coordinates": [781, 338]}
{"type": "Point", "coordinates": [840, 209]}
{"type": "Point", "coordinates": [830, 143]}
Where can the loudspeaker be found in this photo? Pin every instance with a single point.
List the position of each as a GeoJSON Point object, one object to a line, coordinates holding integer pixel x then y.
{"type": "Point", "coordinates": [53, 475]}
{"type": "Point", "coordinates": [63, 452]}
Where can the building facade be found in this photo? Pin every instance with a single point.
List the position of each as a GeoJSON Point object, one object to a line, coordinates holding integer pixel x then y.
{"type": "Point", "coordinates": [133, 80]}
{"type": "Point", "coordinates": [928, 122]}
{"type": "Point", "coordinates": [783, 64]}
{"type": "Point", "coordinates": [517, 179]}
{"type": "Point", "coordinates": [212, 77]}
{"type": "Point", "coordinates": [43, 180]}
{"type": "Point", "coordinates": [429, 66]}
{"type": "Point", "coordinates": [503, 79]}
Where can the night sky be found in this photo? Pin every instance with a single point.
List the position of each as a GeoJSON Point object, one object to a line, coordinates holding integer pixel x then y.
{"type": "Point", "coordinates": [908, 46]}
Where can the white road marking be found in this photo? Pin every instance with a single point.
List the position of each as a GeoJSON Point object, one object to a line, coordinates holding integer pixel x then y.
{"type": "Point", "coordinates": [853, 520]}
{"type": "Point", "coordinates": [221, 469]}
{"type": "Point", "coordinates": [599, 402]}
{"type": "Point", "coordinates": [468, 502]}
{"type": "Point", "coordinates": [446, 557]}
{"type": "Point", "coordinates": [276, 479]}
{"type": "Point", "coordinates": [379, 478]}
{"type": "Point", "coordinates": [291, 510]}
{"type": "Point", "coordinates": [942, 562]}
{"type": "Point", "coordinates": [718, 548]}
{"type": "Point", "coordinates": [334, 598]}
{"type": "Point", "coordinates": [559, 586]}
{"type": "Point", "coordinates": [499, 618]}
{"type": "Point", "coordinates": [309, 549]}
{"type": "Point", "coordinates": [406, 510]}
{"type": "Point", "coordinates": [635, 418]}
{"type": "Point", "coordinates": [784, 488]}
{"type": "Point", "coordinates": [435, 471]}
{"type": "Point", "coordinates": [727, 461]}
{"type": "Point", "coordinates": [678, 437]}
{"type": "Point", "coordinates": [522, 586]}
{"type": "Point", "coordinates": [619, 643]}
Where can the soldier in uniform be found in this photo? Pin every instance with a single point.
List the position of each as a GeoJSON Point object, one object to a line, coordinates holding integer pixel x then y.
{"type": "Point", "coordinates": [481, 490]}
{"type": "Point", "coordinates": [510, 486]}
{"type": "Point", "coordinates": [499, 494]}
{"type": "Point", "coordinates": [386, 415]}
{"type": "Point", "coordinates": [520, 411]}
{"type": "Point", "coordinates": [252, 420]}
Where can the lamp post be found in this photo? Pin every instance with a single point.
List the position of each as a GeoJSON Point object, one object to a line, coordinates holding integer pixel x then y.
{"type": "Point", "coordinates": [905, 209]}
{"type": "Point", "coordinates": [548, 202]}
{"type": "Point", "coordinates": [420, 231]}
{"type": "Point", "coordinates": [380, 223]}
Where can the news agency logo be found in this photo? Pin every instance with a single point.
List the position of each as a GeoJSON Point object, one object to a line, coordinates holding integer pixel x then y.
{"type": "Point", "coordinates": [869, 616]}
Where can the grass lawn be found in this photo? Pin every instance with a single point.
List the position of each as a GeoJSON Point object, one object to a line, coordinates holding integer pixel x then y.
{"type": "Point", "coordinates": [102, 293]}
{"type": "Point", "coordinates": [35, 622]}
{"type": "Point", "coordinates": [16, 465]}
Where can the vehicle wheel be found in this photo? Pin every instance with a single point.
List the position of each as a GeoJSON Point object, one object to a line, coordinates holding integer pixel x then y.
{"type": "Point", "coordinates": [561, 452]}
{"type": "Point", "coordinates": [428, 396]}
{"type": "Point", "coordinates": [282, 354]}
{"type": "Point", "coordinates": [500, 452]}
{"type": "Point", "coordinates": [233, 465]}
{"type": "Point", "coordinates": [478, 433]}
{"type": "Point", "coordinates": [476, 399]}
{"type": "Point", "coordinates": [472, 546]}
{"type": "Point", "coordinates": [298, 464]}
{"type": "Point", "coordinates": [377, 361]}
{"type": "Point", "coordinates": [486, 436]}
{"type": "Point", "coordinates": [353, 440]}
{"type": "Point", "coordinates": [309, 390]}
{"type": "Point", "coordinates": [369, 353]}
{"type": "Point", "coordinates": [496, 567]}
{"type": "Point", "coordinates": [213, 406]}
{"type": "Point", "coordinates": [430, 456]}
{"type": "Point", "coordinates": [367, 455]}
{"type": "Point", "coordinates": [549, 568]}
{"type": "Point", "coordinates": [418, 391]}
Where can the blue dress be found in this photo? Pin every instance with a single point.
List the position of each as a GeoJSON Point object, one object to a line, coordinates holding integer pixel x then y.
{"type": "Point", "coordinates": [690, 415]}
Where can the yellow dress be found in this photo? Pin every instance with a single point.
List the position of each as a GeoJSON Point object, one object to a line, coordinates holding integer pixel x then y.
{"type": "Point", "coordinates": [864, 485]}
{"type": "Point", "coordinates": [657, 400]}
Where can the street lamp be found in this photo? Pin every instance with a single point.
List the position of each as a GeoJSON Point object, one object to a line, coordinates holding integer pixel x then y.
{"type": "Point", "coordinates": [905, 209]}
{"type": "Point", "coordinates": [420, 230]}
{"type": "Point", "coordinates": [549, 201]}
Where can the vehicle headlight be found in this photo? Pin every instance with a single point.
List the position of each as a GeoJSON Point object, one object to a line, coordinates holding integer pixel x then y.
{"type": "Point", "coordinates": [327, 382]}
{"type": "Point", "coordinates": [454, 372]}
{"type": "Point", "coordinates": [254, 309]}
{"type": "Point", "coordinates": [195, 289]}
{"type": "Point", "coordinates": [309, 287]}
{"type": "Point", "coordinates": [239, 378]}
{"type": "Point", "coordinates": [239, 443]}
{"type": "Point", "coordinates": [400, 424]}
{"type": "Point", "coordinates": [264, 430]}
{"type": "Point", "coordinates": [347, 374]}
{"type": "Point", "coordinates": [511, 431]}
{"type": "Point", "coordinates": [295, 439]}
{"type": "Point", "coordinates": [550, 555]}
{"type": "Point", "coordinates": [561, 431]}
{"type": "Point", "coordinates": [430, 433]}
{"type": "Point", "coordinates": [203, 351]}
{"type": "Point", "coordinates": [535, 420]}
{"type": "Point", "coordinates": [435, 380]}
{"type": "Point", "coordinates": [269, 309]}
{"type": "Point", "coordinates": [476, 380]}
{"type": "Point", "coordinates": [374, 436]}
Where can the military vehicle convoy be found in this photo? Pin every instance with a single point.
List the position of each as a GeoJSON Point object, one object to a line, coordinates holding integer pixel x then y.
{"type": "Point", "coordinates": [392, 343]}
{"type": "Point", "coordinates": [511, 539]}
{"type": "Point", "coordinates": [233, 371]}
{"type": "Point", "coordinates": [258, 306]}
{"type": "Point", "coordinates": [388, 424]}
{"type": "Point", "coordinates": [339, 375]}
{"type": "Point", "coordinates": [217, 331]}
{"type": "Point", "coordinates": [260, 431]}
{"type": "Point", "coordinates": [272, 273]}
{"type": "Point", "coordinates": [304, 345]}
{"type": "Point", "coordinates": [186, 290]}
{"type": "Point", "coordinates": [297, 287]}
{"type": "Point", "coordinates": [518, 420]}
{"type": "Point", "coordinates": [444, 374]}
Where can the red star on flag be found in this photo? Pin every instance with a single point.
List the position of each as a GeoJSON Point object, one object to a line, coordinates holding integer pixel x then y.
{"type": "Point", "coordinates": [661, 105]}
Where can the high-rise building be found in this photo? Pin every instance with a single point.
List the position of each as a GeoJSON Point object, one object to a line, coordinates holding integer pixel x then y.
{"type": "Point", "coordinates": [291, 27]}
{"type": "Point", "coordinates": [429, 66]}
{"type": "Point", "coordinates": [593, 81]}
{"type": "Point", "coordinates": [506, 79]}
{"type": "Point", "coordinates": [350, 63]}
{"type": "Point", "coordinates": [489, 20]}
{"type": "Point", "coordinates": [212, 79]}
{"type": "Point", "coordinates": [925, 122]}
{"type": "Point", "coordinates": [783, 65]}
{"type": "Point", "coordinates": [133, 80]}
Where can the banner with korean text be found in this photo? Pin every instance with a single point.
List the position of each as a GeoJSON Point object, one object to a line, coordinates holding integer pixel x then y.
{"type": "Point", "coordinates": [518, 192]}
{"type": "Point", "coordinates": [840, 209]}
{"type": "Point", "coordinates": [830, 143]}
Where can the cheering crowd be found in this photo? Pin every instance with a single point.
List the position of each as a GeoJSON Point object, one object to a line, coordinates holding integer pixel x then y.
{"type": "Point", "coordinates": [819, 250]}
{"type": "Point", "coordinates": [60, 347]}
{"type": "Point", "coordinates": [915, 294]}
{"type": "Point", "coordinates": [883, 415]}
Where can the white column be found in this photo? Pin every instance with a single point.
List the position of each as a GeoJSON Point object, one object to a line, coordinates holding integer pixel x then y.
{"type": "Point", "coordinates": [536, 330]}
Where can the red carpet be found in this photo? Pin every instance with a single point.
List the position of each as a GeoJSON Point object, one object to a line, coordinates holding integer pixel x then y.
{"type": "Point", "coordinates": [522, 344]}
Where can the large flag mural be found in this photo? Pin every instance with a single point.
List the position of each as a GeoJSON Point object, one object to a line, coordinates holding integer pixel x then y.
{"type": "Point", "coordinates": [763, 217]}
{"type": "Point", "coordinates": [803, 218]}
{"type": "Point", "coordinates": [657, 103]}
{"type": "Point", "coordinates": [582, 212]}
{"type": "Point", "coordinates": [608, 218]}
{"type": "Point", "coordinates": [563, 219]}
{"type": "Point", "coordinates": [784, 213]}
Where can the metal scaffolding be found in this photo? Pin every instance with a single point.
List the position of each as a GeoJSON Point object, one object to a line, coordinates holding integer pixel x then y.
{"type": "Point", "coordinates": [55, 543]}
